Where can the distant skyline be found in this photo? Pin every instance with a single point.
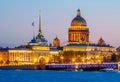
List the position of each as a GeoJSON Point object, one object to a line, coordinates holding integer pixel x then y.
{"type": "Point", "coordinates": [16, 17]}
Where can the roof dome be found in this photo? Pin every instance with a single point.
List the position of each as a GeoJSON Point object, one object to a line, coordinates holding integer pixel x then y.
{"type": "Point", "coordinates": [101, 41]}
{"type": "Point", "coordinates": [33, 40]}
{"type": "Point", "coordinates": [78, 20]}
{"type": "Point", "coordinates": [56, 39]}
{"type": "Point", "coordinates": [56, 42]}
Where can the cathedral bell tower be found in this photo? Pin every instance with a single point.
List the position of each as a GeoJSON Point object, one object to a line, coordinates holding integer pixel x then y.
{"type": "Point", "coordinates": [78, 33]}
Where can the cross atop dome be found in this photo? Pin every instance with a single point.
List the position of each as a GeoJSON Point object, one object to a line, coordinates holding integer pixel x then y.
{"type": "Point", "coordinates": [78, 20]}
{"type": "Point", "coordinates": [78, 12]}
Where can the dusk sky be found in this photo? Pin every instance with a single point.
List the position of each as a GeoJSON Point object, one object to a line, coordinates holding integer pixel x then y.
{"type": "Point", "coordinates": [16, 16]}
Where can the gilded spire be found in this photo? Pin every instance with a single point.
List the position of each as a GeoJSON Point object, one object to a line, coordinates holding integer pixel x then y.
{"type": "Point", "coordinates": [40, 26]}
{"type": "Point", "coordinates": [78, 12]}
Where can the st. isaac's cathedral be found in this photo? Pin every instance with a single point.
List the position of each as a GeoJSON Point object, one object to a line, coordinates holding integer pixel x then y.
{"type": "Point", "coordinates": [78, 48]}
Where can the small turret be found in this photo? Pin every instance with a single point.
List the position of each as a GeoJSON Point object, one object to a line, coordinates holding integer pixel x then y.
{"type": "Point", "coordinates": [101, 41]}
{"type": "Point", "coordinates": [56, 42]}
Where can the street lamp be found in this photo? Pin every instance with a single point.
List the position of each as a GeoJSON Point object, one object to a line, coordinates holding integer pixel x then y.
{"type": "Point", "coordinates": [35, 60]}
{"type": "Point", "coordinates": [73, 60]}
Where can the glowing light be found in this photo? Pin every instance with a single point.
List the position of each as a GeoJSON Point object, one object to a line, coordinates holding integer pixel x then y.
{"type": "Point", "coordinates": [40, 48]}
{"type": "Point", "coordinates": [62, 57]}
{"type": "Point", "coordinates": [73, 59]}
{"type": "Point", "coordinates": [47, 59]}
{"type": "Point", "coordinates": [35, 60]}
{"type": "Point", "coordinates": [83, 59]}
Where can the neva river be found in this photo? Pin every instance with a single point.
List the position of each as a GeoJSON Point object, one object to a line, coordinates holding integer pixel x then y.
{"type": "Point", "coordinates": [57, 76]}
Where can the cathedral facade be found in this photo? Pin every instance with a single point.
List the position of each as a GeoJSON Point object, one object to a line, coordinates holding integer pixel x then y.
{"type": "Point", "coordinates": [78, 33]}
{"type": "Point", "coordinates": [79, 49]}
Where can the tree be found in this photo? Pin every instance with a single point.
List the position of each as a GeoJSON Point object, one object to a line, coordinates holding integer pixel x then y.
{"type": "Point", "coordinates": [113, 57]}
{"type": "Point", "coordinates": [42, 60]}
{"type": "Point", "coordinates": [7, 62]}
{"type": "Point", "coordinates": [16, 62]}
{"type": "Point", "coordinates": [1, 62]}
{"type": "Point", "coordinates": [70, 55]}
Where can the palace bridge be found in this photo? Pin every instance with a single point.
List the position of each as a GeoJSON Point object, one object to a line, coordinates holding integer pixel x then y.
{"type": "Point", "coordinates": [85, 67]}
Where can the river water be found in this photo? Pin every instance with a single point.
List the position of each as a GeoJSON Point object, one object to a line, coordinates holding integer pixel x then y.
{"type": "Point", "coordinates": [57, 76]}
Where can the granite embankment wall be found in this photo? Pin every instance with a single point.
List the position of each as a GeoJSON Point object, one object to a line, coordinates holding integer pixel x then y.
{"type": "Point", "coordinates": [23, 67]}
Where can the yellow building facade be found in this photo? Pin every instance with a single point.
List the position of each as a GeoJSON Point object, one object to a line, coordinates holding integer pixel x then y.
{"type": "Point", "coordinates": [41, 54]}
{"type": "Point", "coordinates": [4, 57]}
{"type": "Point", "coordinates": [89, 54]}
{"type": "Point", "coordinates": [20, 56]}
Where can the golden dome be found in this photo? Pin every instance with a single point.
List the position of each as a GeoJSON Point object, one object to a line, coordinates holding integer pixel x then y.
{"type": "Point", "coordinates": [78, 20]}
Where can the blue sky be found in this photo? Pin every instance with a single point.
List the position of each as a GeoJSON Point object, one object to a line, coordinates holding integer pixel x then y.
{"type": "Point", "coordinates": [16, 16]}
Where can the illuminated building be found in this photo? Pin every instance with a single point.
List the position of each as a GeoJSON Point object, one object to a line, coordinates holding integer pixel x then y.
{"type": "Point", "coordinates": [55, 50]}
{"type": "Point", "coordinates": [20, 56]}
{"type": "Point", "coordinates": [39, 46]}
{"type": "Point", "coordinates": [4, 58]}
{"type": "Point", "coordinates": [55, 53]}
{"type": "Point", "coordinates": [78, 33]}
{"type": "Point", "coordinates": [36, 51]}
{"type": "Point", "coordinates": [79, 49]}
{"type": "Point", "coordinates": [56, 42]}
{"type": "Point", "coordinates": [41, 54]}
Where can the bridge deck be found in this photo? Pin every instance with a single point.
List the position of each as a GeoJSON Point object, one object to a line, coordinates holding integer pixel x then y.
{"type": "Point", "coordinates": [81, 66]}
